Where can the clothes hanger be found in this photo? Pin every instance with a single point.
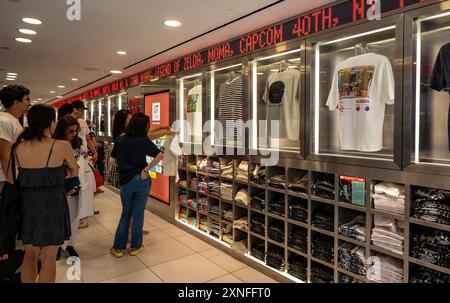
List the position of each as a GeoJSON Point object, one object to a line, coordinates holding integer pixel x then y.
{"type": "Point", "coordinates": [283, 66]}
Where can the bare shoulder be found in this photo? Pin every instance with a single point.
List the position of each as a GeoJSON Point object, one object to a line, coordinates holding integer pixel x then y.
{"type": "Point", "coordinates": [62, 145]}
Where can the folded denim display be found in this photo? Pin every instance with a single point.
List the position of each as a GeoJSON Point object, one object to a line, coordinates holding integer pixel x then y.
{"type": "Point", "coordinates": [258, 250]}
{"type": "Point", "coordinates": [275, 258]}
{"type": "Point", "coordinates": [299, 184]}
{"type": "Point", "coordinates": [242, 171]}
{"type": "Point", "coordinates": [203, 166]}
{"type": "Point", "coordinates": [240, 246]}
{"type": "Point", "coordinates": [227, 170]}
{"type": "Point", "coordinates": [298, 212]}
{"type": "Point", "coordinates": [202, 205]}
{"type": "Point", "coordinates": [323, 248]}
{"type": "Point", "coordinates": [432, 246]}
{"type": "Point", "coordinates": [241, 223]}
{"type": "Point", "coordinates": [352, 258]}
{"type": "Point", "coordinates": [226, 191]}
{"type": "Point", "coordinates": [324, 218]}
{"type": "Point", "coordinates": [389, 197]}
{"type": "Point", "coordinates": [242, 197]}
{"type": "Point", "coordinates": [228, 215]}
{"type": "Point", "coordinates": [277, 205]}
{"type": "Point", "coordinates": [214, 187]}
{"type": "Point", "coordinates": [276, 231]}
{"type": "Point", "coordinates": [215, 227]}
{"type": "Point", "coordinates": [347, 279]}
{"type": "Point", "coordinates": [215, 210]}
{"type": "Point", "coordinates": [324, 187]}
{"type": "Point", "coordinates": [258, 175]}
{"type": "Point", "coordinates": [355, 229]}
{"type": "Point", "coordinates": [427, 275]}
{"type": "Point", "coordinates": [385, 269]}
{"type": "Point", "coordinates": [214, 168]}
{"type": "Point", "coordinates": [258, 201]}
{"type": "Point", "coordinates": [278, 181]}
{"type": "Point", "coordinates": [258, 224]}
{"type": "Point", "coordinates": [298, 239]}
{"type": "Point", "coordinates": [431, 205]}
{"type": "Point", "coordinates": [321, 274]}
{"type": "Point", "coordinates": [298, 267]}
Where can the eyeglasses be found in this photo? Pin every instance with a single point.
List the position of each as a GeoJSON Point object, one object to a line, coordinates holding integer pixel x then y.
{"type": "Point", "coordinates": [71, 131]}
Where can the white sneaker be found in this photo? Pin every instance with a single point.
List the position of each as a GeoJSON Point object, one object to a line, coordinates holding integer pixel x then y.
{"type": "Point", "coordinates": [83, 224]}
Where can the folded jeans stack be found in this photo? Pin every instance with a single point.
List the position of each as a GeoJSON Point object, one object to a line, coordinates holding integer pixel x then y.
{"type": "Point", "coordinates": [258, 175]}
{"type": "Point", "coordinates": [386, 269]}
{"type": "Point", "coordinates": [321, 274]}
{"type": "Point", "coordinates": [298, 212]}
{"type": "Point", "coordinates": [324, 187]}
{"type": "Point", "coordinates": [242, 197]}
{"type": "Point", "coordinates": [275, 258]}
{"type": "Point", "coordinates": [202, 205]}
{"type": "Point", "coordinates": [388, 234]}
{"type": "Point", "coordinates": [298, 267]}
{"type": "Point", "coordinates": [215, 227]}
{"type": "Point", "coordinates": [432, 246]}
{"type": "Point", "coordinates": [352, 258]}
{"type": "Point", "coordinates": [299, 185]}
{"type": "Point", "coordinates": [323, 248]}
{"type": "Point", "coordinates": [347, 279]}
{"type": "Point", "coordinates": [278, 181]}
{"type": "Point", "coordinates": [427, 275]}
{"type": "Point", "coordinates": [242, 171]}
{"type": "Point", "coordinates": [389, 197]}
{"type": "Point", "coordinates": [258, 224]}
{"type": "Point", "coordinates": [257, 250]}
{"type": "Point", "coordinates": [214, 168]}
{"type": "Point", "coordinates": [227, 170]}
{"type": "Point", "coordinates": [298, 239]}
{"type": "Point", "coordinates": [324, 218]}
{"type": "Point", "coordinates": [432, 205]}
{"type": "Point", "coordinates": [276, 231]}
{"type": "Point", "coordinates": [258, 201]}
{"type": "Point", "coordinates": [214, 187]}
{"type": "Point", "coordinates": [227, 228]}
{"type": "Point", "coordinates": [276, 205]}
{"type": "Point", "coordinates": [226, 191]}
{"type": "Point", "coordinates": [215, 210]}
{"type": "Point", "coordinates": [355, 229]}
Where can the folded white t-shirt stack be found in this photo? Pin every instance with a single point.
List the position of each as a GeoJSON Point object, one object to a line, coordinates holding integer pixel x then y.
{"type": "Point", "coordinates": [389, 197]}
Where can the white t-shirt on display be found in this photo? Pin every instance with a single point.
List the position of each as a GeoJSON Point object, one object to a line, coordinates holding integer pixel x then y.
{"type": "Point", "coordinates": [361, 88]}
{"type": "Point", "coordinates": [84, 131]}
{"type": "Point", "coordinates": [283, 104]}
{"type": "Point", "coordinates": [193, 109]}
{"type": "Point", "coordinates": [10, 130]}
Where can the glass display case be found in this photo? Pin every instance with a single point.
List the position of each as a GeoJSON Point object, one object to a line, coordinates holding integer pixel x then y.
{"type": "Point", "coordinates": [102, 116]}
{"type": "Point", "coordinates": [432, 85]}
{"type": "Point", "coordinates": [275, 109]}
{"type": "Point", "coordinates": [227, 101]}
{"type": "Point", "coordinates": [95, 112]}
{"type": "Point", "coordinates": [190, 90]}
{"type": "Point", "coordinates": [354, 93]}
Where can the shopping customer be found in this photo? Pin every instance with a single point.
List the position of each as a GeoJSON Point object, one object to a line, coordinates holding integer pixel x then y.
{"type": "Point", "coordinates": [45, 219]}
{"type": "Point", "coordinates": [131, 150]}
{"type": "Point", "coordinates": [67, 130]}
{"type": "Point", "coordinates": [16, 101]}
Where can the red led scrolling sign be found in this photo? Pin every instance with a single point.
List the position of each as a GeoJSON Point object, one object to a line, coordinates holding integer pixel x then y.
{"type": "Point", "coordinates": [300, 27]}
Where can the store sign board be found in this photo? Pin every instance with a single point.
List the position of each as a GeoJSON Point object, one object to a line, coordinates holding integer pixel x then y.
{"type": "Point", "coordinates": [300, 27]}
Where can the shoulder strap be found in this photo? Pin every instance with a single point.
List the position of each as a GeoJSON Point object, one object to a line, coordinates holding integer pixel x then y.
{"type": "Point", "coordinates": [50, 154]}
{"type": "Point", "coordinates": [12, 162]}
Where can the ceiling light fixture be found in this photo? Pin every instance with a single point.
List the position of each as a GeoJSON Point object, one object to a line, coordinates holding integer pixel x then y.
{"type": "Point", "coordinates": [74, 79]}
{"type": "Point", "coordinates": [11, 74]}
{"type": "Point", "coordinates": [61, 86]}
{"type": "Point", "coordinates": [10, 79]}
{"type": "Point", "coordinates": [52, 92]}
{"type": "Point", "coordinates": [115, 72]}
{"type": "Point", "coordinates": [32, 21]}
{"type": "Point", "coordinates": [27, 31]}
{"type": "Point", "coordinates": [121, 52]}
{"type": "Point", "coordinates": [172, 23]}
{"type": "Point", "coordinates": [23, 40]}
{"type": "Point", "coordinates": [59, 97]}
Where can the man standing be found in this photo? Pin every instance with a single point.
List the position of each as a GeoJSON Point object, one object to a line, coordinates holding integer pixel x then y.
{"type": "Point", "coordinates": [16, 100]}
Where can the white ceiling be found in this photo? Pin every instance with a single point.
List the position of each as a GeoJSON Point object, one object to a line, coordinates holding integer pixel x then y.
{"type": "Point", "coordinates": [62, 49]}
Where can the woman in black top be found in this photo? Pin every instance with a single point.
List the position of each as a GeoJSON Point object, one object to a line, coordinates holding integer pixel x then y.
{"type": "Point", "coordinates": [131, 151]}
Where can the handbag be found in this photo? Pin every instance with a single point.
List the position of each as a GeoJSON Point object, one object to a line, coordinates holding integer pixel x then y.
{"type": "Point", "coordinates": [9, 213]}
{"type": "Point", "coordinates": [99, 181]}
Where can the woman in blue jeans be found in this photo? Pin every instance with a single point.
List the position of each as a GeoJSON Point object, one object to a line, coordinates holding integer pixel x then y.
{"type": "Point", "coordinates": [131, 150]}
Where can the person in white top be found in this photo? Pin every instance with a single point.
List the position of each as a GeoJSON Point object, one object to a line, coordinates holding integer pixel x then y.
{"type": "Point", "coordinates": [16, 101]}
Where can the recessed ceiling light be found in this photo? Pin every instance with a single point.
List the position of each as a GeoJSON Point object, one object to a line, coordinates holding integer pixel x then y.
{"type": "Point", "coordinates": [39, 99]}
{"type": "Point", "coordinates": [74, 79]}
{"type": "Point", "coordinates": [172, 23]}
{"type": "Point", "coordinates": [52, 92]}
{"type": "Point", "coordinates": [27, 31]}
{"type": "Point", "coordinates": [10, 79]}
{"type": "Point", "coordinates": [115, 72]}
{"type": "Point", "coordinates": [121, 52]}
{"type": "Point", "coordinates": [61, 86]}
{"type": "Point", "coordinates": [11, 74]}
{"type": "Point", "coordinates": [59, 97]}
{"type": "Point", "coordinates": [23, 40]}
{"type": "Point", "coordinates": [32, 21]}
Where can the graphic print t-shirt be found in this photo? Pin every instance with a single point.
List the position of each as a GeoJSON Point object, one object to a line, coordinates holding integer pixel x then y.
{"type": "Point", "coordinates": [361, 88]}
{"type": "Point", "coordinates": [194, 113]}
{"type": "Point", "coordinates": [283, 104]}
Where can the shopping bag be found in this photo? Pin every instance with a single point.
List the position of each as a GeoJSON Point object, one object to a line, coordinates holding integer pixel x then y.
{"type": "Point", "coordinates": [99, 181]}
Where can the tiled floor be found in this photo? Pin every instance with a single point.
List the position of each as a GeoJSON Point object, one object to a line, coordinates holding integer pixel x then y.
{"type": "Point", "coordinates": [171, 255]}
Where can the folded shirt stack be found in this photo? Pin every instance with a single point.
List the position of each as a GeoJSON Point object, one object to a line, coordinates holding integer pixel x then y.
{"type": "Point", "coordinates": [227, 228]}
{"type": "Point", "coordinates": [276, 231]}
{"type": "Point", "coordinates": [228, 215]}
{"type": "Point", "coordinates": [193, 184]}
{"type": "Point", "coordinates": [298, 239]}
{"type": "Point", "coordinates": [258, 250]}
{"type": "Point", "coordinates": [258, 201]}
{"type": "Point", "coordinates": [299, 184]}
{"type": "Point", "coordinates": [389, 197]}
{"type": "Point", "coordinates": [215, 227]}
{"type": "Point", "coordinates": [183, 214]}
{"type": "Point", "coordinates": [182, 183]}
{"type": "Point", "coordinates": [258, 175]}
{"type": "Point", "coordinates": [321, 274]}
{"type": "Point", "coordinates": [323, 248]}
{"type": "Point", "coordinates": [278, 181]}
{"type": "Point", "coordinates": [203, 224]}
{"type": "Point", "coordinates": [388, 234]}
{"type": "Point", "coordinates": [203, 166]}
{"type": "Point", "coordinates": [276, 205]}
{"type": "Point", "coordinates": [202, 186]}
{"type": "Point", "coordinates": [227, 170]}
{"type": "Point", "coordinates": [275, 258]}
{"type": "Point", "coordinates": [324, 218]}
{"type": "Point", "coordinates": [226, 191]}
{"type": "Point", "coordinates": [214, 187]}
{"type": "Point", "coordinates": [240, 246]}
{"type": "Point", "coordinates": [324, 187]}
{"type": "Point", "coordinates": [191, 166]}
{"type": "Point", "coordinates": [215, 210]}
{"type": "Point", "coordinates": [355, 229]}
{"type": "Point", "coordinates": [183, 199]}
{"type": "Point", "coordinates": [192, 221]}
{"type": "Point", "coordinates": [242, 171]}
{"type": "Point", "coordinates": [227, 238]}
{"type": "Point", "coordinates": [432, 246]}
{"type": "Point", "coordinates": [242, 197]}
{"type": "Point", "coordinates": [431, 205]}
{"type": "Point", "coordinates": [257, 224]}
{"type": "Point", "coordinates": [297, 211]}
{"type": "Point", "coordinates": [298, 267]}
{"type": "Point", "coordinates": [352, 258]}
{"type": "Point", "coordinates": [427, 275]}
{"type": "Point", "coordinates": [241, 223]}
{"type": "Point", "coordinates": [202, 205]}
{"type": "Point", "coordinates": [387, 270]}
{"type": "Point", "coordinates": [214, 168]}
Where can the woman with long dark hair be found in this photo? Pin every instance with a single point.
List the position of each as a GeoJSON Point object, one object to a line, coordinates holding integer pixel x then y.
{"type": "Point", "coordinates": [67, 130]}
{"type": "Point", "coordinates": [131, 150]}
{"type": "Point", "coordinates": [45, 220]}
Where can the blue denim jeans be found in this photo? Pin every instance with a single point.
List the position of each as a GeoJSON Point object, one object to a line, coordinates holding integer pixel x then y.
{"type": "Point", "coordinates": [134, 197]}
